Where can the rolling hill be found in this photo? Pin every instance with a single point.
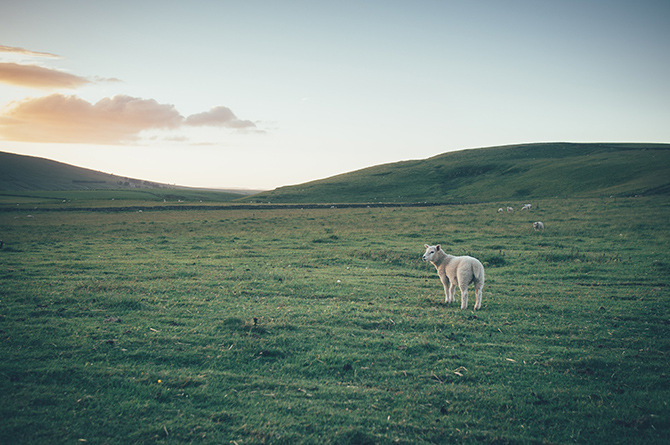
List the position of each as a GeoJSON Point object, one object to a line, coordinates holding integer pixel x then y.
{"type": "Point", "coordinates": [515, 172]}
{"type": "Point", "coordinates": [19, 173]}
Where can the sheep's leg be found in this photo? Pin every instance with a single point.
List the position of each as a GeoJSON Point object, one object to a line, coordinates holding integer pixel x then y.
{"type": "Point", "coordinates": [452, 293]}
{"type": "Point", "coordinates": [478, 292]}
{"type": "Point", "coordinates": [445, 283]}
{"type": "Point", "coordinates": [464, 297]}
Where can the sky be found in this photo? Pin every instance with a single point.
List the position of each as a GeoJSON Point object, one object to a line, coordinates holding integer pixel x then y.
{"type": "Point", "coordinates": [260, 94]}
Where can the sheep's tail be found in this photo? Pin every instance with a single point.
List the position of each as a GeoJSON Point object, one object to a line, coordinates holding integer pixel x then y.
{"type": "Point", "coordinates": [478, 271]}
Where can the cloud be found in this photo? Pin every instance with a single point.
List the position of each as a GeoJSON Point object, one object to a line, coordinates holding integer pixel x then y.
{"type": "Point", "coordinates": [107, 79]}
{"type": "Point", "coordinates": [120, 119]}
{"type": "Point", "coordinates": [26, 52]}
{"type": "Point", "coordinates": [58, 118]}
{"type": "Point", "coordinates": [69, 119]}
{"type": "Point", "coordinates": [35, 76]}
{"type": "Point", "coordinates": [218, 117]}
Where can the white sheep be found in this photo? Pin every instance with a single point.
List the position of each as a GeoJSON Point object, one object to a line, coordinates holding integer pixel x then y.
{"type": "Point", "coordinates": [500, 210]}
{"type": "Point", "coordinates": [510, 209]}
{"type": "Point", "coordinates": [527, 207]}
{"type": "Point", "coordinates": [538, 225]}
{"type": "Point", "coordinates": [457, 271]}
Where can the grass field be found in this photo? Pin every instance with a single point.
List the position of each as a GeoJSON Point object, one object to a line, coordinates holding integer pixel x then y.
{"type": "Point", "coordinates": [324, 326]}
{"type": "Point", "coordinates": [67, 199]}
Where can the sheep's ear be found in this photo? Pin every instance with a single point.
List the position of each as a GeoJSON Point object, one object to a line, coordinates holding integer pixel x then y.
{"type": "Point", "coordinates": [426, 246]}
{"type": "Point", "coordinates": [437, 247]}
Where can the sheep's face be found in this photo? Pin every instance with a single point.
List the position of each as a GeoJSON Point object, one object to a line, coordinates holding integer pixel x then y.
{"type": "Point", "coordinates": [431, 252]}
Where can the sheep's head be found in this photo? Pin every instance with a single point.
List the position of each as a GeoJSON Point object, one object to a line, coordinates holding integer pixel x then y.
{"type": "Point", "coordinates": [431, 252]}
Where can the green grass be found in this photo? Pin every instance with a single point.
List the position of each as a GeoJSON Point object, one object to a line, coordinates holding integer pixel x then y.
{"type": "Point", "coordinates": [512, 173]}
{"type": "Point", "coordinates": [149, 197]}
{"type": "Point", "coordinates": [324, 325]}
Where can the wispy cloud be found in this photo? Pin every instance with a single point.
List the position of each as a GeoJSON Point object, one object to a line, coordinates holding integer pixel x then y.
{"type": "Point", "coordinates": [120, 119]}
{"type": "Point", "coordinates": [35, 76]}
{"type": "Point", "coordinates": [26, 52]}
{"type": "Point", "coordinates": [59, 118]}
{"type": "Point", "coordinates": [218, 117]}
{"type": "Point", "coordinates": [107, 79]}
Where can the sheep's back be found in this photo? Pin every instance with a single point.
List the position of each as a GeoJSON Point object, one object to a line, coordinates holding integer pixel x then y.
{"type": "Point", "coordinates": [464, 264]}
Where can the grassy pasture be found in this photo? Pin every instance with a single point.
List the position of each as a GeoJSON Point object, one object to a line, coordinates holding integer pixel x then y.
{"type": "Point", "coordinates": [146, 197]}
{"type": "Point", "coordinates": [324, 326]}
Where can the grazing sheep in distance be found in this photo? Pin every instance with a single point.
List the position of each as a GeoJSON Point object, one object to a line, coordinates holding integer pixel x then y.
{"type": "Point", "coordinates": [510, 209]}
{"type": "Point", "coordinates": [457, 271]}
{"type": "Point", "coordinates": [500, 210]}
{"type": "Point", "coordinates": [538, 225]}
{"type": "Point", "coordinates": [527, 207]}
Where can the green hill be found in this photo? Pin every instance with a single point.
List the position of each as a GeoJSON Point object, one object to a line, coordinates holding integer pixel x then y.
{"type": "Point", "coordinates": [25, 173]}
{"type": "Point", "coordinates": [40, 182]}
{"type": "Point", "coordinates": [19, 172]}
{"type": "Point", "coordinates": [518, 172]}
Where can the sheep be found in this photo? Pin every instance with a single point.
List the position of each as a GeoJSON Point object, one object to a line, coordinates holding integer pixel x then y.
{"type": "Point", "coordinates": [538, 225]}
{"type": "Point", "coordinates": [527, 207]}
{"type": "Point", "coordinates": [500, 210]}
{"type": "Point", "coordinates": [457, 271]}
{"type": "Point", "coordinates": [510, 209]}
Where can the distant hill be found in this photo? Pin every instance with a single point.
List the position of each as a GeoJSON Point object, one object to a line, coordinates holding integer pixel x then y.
{"type": "Point", "coordinates": [26, 173]}
{"type": "Point", "coordinates": [515, 172]}
{"type": "Point", "coordinates": [19, 172]}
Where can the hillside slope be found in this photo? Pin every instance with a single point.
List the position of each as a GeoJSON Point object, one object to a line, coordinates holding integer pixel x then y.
{"type": "Point", "coordinates": [517, 172]}
{"type": "Point", "coordinates": [19, 172]}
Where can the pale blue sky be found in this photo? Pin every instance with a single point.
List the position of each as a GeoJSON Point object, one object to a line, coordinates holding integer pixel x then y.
{"type": "Point", "coordinates": [322, 88]}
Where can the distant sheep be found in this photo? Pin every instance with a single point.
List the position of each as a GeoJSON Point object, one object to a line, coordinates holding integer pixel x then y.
{"type": "Point", "coordinates": [457, 271]}
{"type": "Point", "coordinates": [538, 225]}
{"type": "Point", "coordinates": [527, 207]}
{"type": "Point", "coordinates": [500, 210]}
{"type": "Point", "coordinates": [510, 209]}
